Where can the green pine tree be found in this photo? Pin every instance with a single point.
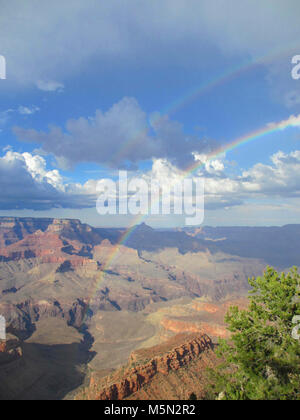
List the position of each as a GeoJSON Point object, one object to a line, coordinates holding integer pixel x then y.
{"type": "Point", "coordinates": [261, 361]}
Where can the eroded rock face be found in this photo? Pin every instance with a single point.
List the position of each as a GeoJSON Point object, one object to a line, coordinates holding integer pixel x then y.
{"type": "Point", "coordinates": [22, 317]}
{"type": "Point", "coordinates": [14, 229]}
{"type": "Point", "coordinates": [48, 239]}
{"type": "Point", "coordinates": [145, 364]}
{"type": "Point", "coordinates": [49, 248]}
{"type": "Point", "coordinates": [10, 349]}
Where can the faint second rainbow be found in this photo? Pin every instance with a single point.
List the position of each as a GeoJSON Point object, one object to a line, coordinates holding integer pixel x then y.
{"type": "Point", "coordinates": [211, 83]}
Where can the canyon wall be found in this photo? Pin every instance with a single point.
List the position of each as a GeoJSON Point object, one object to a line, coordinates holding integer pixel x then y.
{"type": "Point", "coordinates": [146, 364]}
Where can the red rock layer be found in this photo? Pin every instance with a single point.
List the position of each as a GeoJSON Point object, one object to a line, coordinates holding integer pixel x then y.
{"type": "Point", "coordinates": [48, 247]}
{"type": "Point", "coordinates": [212, 329]}
{"type": "Point", "coordinates": [141, 370]}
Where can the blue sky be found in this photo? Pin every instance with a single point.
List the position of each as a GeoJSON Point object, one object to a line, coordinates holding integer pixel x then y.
{"type": "Point", "coordinates": [98, 86]}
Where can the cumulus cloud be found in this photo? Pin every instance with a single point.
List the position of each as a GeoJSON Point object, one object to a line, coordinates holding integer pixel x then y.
{"type": "Point", "coordinates": [281, 177]}
{"type": "Point", "coordinates": [292, 121]}
{"type": "Point", "coordinates": [26, 183]}
{"type": "Point", "coordinates": [220, 191]}
{"type": "Point", "coordinates": [118, 138]}
{"type": "Point", "coordinates": [211, 167]}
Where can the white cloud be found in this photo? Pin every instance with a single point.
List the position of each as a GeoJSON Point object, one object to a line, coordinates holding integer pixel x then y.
{"type": "Point", "coordinates": [220, 192]}
{"type": "Point", "coordinates": [211, 166]}
{"type": "Point", "coordinates": [50, 86]}
{"type": "Point", "coordinates": [292, 121]}
{"type": "Point", "coordinates": [25, 110]}
{"type": "Point", "coordinates": [280, 179]}
{"type": "Point", "coordinates": [26, 183]}
{"type": "Point", "coordinates": [36, 166]}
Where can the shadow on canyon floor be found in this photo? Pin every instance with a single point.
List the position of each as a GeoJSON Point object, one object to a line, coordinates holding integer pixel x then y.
{"type": "Point", "coordinates": [45, 372]}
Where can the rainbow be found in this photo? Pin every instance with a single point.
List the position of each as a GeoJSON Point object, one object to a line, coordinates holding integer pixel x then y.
{"type": "Point", "coordinates": [182, 101]}
{"type": "Point", "coordinates": [212, 83]}
{"type": "Point", "coordinates": [271, 128]}
{"type": "Point", "coordinates": [254, 135]}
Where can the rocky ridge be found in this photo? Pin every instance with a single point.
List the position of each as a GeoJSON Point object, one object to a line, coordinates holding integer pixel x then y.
{"type": "Point", "coordinates": [144, 365]}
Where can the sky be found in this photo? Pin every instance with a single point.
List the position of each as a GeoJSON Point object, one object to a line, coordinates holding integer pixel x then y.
{"type": "Point", "coordinates": [155, 88]}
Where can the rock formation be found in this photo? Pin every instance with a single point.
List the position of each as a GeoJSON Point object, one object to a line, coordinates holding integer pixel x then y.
{"type": "Point", "coordinates": [14, 229]}
{"type": "Point", "coordinates": [147, 364]}
{"type": "Point", "coordinates": [10, 350]}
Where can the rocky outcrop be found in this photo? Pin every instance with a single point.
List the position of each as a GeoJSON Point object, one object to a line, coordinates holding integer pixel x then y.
{"type": "Point", "coordinates": [145, 364]}
{"type": "Point", "coordinates": [74, 230]}
{"type": "Point", "coordinates": [49, 248]}
{"type": "Point", "coordinates": [14, 229]}
{"type": "Point", "coordinates": [22, 317]}
{"type": "Point", "coordinates": [10, 349]}
{"type": "Point", "coordinates": [27, 234]}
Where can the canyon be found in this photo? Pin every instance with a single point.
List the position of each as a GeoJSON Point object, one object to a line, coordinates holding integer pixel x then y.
{"type": "Point", "coordinates": [62, 278]}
